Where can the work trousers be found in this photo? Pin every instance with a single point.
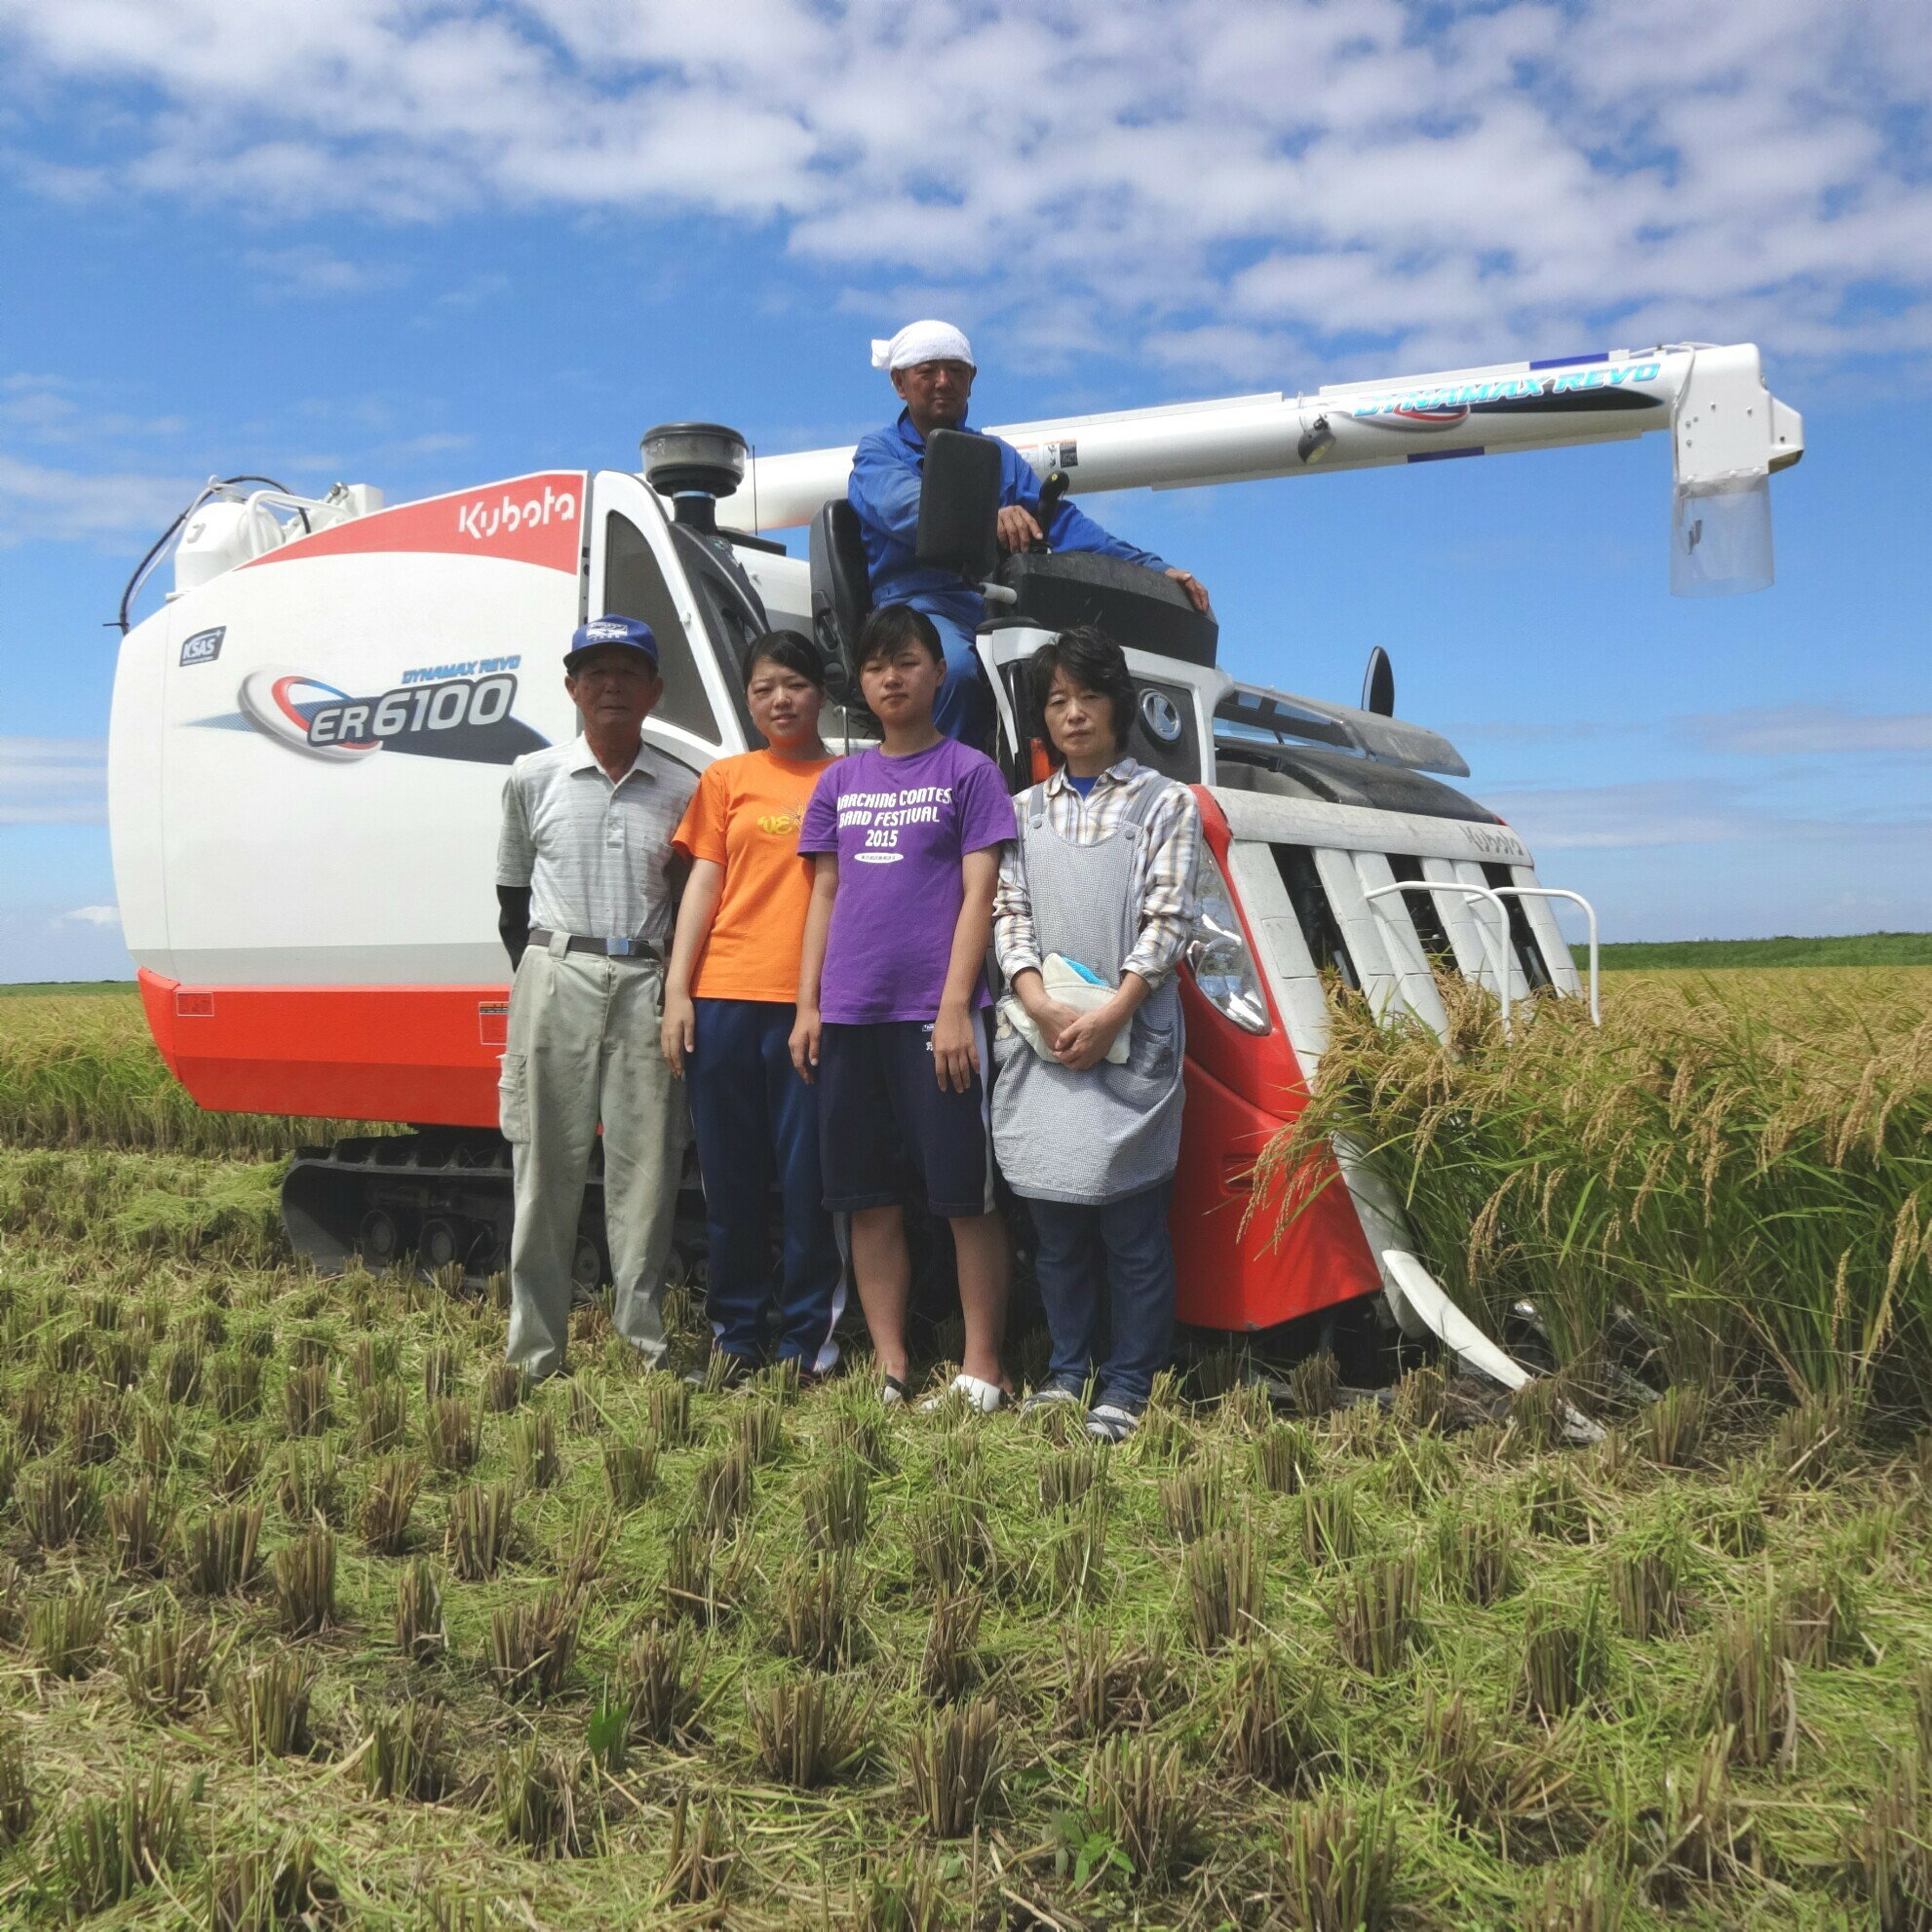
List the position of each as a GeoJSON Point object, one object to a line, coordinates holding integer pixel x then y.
{"type": "Point", "coordinates": [584, 1051]}
{"type": "Point", "coordinates": [755, 1117]}
{"type": "Point", "coordinates": [1115, 1255]}
{"type": "Point", "coordinates": [964, 707]}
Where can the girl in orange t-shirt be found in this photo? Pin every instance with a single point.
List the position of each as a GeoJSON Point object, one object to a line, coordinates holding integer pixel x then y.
{"type": "Point", "coordinates": [728, 1011]}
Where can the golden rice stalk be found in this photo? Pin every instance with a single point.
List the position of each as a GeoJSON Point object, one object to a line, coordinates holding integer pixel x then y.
{"type": "Point", "coordinates": [482, 1524]}
{"type": "Point", "coordinates": [535, 1789]}
{"type": "Point", "coordinates": [948, 1659]}
{"type": "Point", "coordinates": [261, 1887]}
{"type": "Point", "coordinates": [268, 1707]}
{"type": "Point", "coordinates": [68, 1632]}
{"type": "Point", "coordinates": [221, 1551]}
{"type": "Point", "coordinates": [307, 1401]}
{"type": "Point", "coordinates": [1142, 1796]}
{"type": "Point", "coordinates": [657, 1677]}
{"type": "Point", "coordinates": [419, 1631]}
{"type": "Point", "coordinates": [954, 1762]}
{"type": "Point", "coordinates": [804, 1730]}
{"type": "Point", "coordinates": [108, 1848]}
{"type": "Point", "coordinates": [166, 1666]}
{"type": "Point", "coordinates": [304, 1572]}
{"type": "Point", "coordinates": [700, 1862]}
{"type": "Point", "coordinates": [1336, 1873]}
{"type": "Point", "coordinates": [388, 1499]}
{"type": "Point", "coordinates": [140, 1521]}
{"type": "Point", "coordinates": [533, 1644]}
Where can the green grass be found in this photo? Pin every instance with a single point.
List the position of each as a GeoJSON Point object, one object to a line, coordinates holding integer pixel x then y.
{"type": "Point", "coordinates": [1853, 949]}
{"type": "Point", "coordinates": [40, 988]}
{"type": "Point", "coordinates": [1133, 1761]}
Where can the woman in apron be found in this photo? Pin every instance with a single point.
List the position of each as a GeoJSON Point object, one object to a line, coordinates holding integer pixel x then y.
{"type": "Point", "coordinates": [1095, 907]}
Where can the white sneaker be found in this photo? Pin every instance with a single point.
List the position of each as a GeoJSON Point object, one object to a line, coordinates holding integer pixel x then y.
{"type": "Point", "coordinates": [986, 1397]}
{"type": "Point", "coordinates": [1110, 1423]}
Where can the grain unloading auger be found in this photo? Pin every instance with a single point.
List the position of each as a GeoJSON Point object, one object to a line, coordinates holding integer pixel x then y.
{"type": "Point", "coordinates": [308, 742]}
{"type": "Point", "coordinates": [1728, 433]}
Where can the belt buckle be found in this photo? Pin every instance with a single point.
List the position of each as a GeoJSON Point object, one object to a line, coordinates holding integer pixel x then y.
{"type": "Point", "coordinates": [620, 949]}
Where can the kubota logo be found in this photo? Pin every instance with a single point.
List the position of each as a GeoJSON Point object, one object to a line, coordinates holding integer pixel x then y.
{"type": "Point", "coordinates": [480, 519]}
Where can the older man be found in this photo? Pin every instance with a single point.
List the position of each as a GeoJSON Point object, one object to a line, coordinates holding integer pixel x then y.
{"type": "Point", "coordinates": [932, 369]}
{"type": "Point", "coordinates": [583, 875]}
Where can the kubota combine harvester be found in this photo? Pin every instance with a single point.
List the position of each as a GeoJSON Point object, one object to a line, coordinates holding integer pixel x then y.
{"type": "Point", "coordinates": [309, 740]}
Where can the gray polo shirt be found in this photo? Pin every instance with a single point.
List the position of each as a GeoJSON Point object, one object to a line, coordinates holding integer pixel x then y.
{"type": "Point", "coordinates": [595, 855]}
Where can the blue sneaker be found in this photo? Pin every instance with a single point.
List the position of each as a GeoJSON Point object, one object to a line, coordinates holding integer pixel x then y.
{"type": "Point", "coordinates": [1051, 1395]}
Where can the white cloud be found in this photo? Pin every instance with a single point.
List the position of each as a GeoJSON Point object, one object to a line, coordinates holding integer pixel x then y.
{"type": "Point", "coordinates": [1239, 186]}
{"type": "Point", "coordinates": [1783, 730]}
{"type": "Point", "coordinates": [38, 942]}
{"type": "Point", "coordinates": [55, 409]}
{"type": "Point", "coordinates": [37, 500]}
{"type": "Point", "coordinates": [431, 443]}
{"type": "Point", "coordinates": [1677, 812]}
{"type": "Point", "coordinates": [309, 270]}
{"type": "Point", "coordinates": [95, 915]}
{"type": "Point", "coordinates": [52, 781]}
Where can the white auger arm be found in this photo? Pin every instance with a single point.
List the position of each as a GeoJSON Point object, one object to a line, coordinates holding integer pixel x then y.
{"type": "Point", "coordinates": [1728, 434]}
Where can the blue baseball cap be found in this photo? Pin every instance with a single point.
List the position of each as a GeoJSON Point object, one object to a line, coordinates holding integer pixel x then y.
{"type": "Point", "coordinates": [629, 632]}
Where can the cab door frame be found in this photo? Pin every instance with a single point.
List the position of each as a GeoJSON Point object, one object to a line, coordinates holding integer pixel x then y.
{"type": "Point", "coordinates": [617, 493]}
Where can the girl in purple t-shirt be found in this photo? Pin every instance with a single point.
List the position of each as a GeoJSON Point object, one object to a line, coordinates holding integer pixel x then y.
{"type": "Point", "coordinates": [892, 997]}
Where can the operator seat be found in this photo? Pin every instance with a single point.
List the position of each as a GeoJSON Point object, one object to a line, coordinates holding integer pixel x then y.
{"type": "Point", "coordinates": [841, 587]}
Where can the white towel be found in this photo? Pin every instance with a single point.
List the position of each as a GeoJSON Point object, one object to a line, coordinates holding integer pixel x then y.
{"type": "Point", "coordinates": [923, 343]}
{"type": "Point", "coordinates": [1067, 983]}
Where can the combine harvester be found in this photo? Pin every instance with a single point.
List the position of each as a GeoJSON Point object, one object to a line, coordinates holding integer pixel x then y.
{"type": "Point", "coordinates": [309, 741]}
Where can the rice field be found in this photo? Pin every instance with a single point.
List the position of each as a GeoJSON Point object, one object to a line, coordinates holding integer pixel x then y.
{"type": "Point", "coordinates": [312, 1614]}
{"type": "Point", "coordinates": [1742, 1161]}
{"type": "Point", "coordinates": [80, 1070]}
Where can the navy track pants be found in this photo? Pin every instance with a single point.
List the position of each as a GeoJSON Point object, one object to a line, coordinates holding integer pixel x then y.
{"type": "Point", "coordinates": [753, 1118]}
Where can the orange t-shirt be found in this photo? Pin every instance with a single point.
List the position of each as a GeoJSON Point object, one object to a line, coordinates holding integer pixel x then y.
{"type": "Point", "coordinates": [745, 816]}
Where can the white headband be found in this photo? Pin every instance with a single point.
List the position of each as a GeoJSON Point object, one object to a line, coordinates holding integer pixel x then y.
{"type": "Point", "coordinates": [923, 343]}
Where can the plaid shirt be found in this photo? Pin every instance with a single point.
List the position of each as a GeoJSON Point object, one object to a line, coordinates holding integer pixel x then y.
{"type": "Point", "coordinates": [595, 855]}
{"type": "Point", "coordinates": [1163, 875]}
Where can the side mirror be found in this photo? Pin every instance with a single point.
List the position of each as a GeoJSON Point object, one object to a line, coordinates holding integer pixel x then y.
{"type": "Point", "coordinates": [1378, 684]}
{"type": "Point", "coordinates": [959, 505]}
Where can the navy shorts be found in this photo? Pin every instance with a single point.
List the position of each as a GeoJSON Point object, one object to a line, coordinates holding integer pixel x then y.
{"type": "Point", "coordinates": [889, 1132]}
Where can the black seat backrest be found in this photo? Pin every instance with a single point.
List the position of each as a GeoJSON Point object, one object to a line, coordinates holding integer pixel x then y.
{"type": "Point", "coordinates": [841, 585]}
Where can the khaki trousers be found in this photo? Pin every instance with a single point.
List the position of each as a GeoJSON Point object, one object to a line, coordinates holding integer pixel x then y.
{"type": "Point", "coordinates": [584, 1050]}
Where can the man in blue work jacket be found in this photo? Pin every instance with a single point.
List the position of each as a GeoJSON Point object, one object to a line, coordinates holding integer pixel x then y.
{"type": "Point", "coordinates": [931, 365]}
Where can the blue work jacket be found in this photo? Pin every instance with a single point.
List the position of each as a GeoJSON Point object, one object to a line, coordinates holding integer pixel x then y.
{"type": "Point", "coordinates": [887, 470]}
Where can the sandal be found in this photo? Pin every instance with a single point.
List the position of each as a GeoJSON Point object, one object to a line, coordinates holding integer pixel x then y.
{"type": "Point", "coordinates": [1110, 1423]}
{"type": "Point", "coordinates": [893, 1393]}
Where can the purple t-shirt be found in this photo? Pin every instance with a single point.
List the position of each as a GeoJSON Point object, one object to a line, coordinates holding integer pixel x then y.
{"type": "Point", "coordinates": [901, 827]}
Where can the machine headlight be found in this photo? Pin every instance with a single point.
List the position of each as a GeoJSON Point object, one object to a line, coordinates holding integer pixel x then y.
{"type": "Point", "coordinates": [1218, 957]}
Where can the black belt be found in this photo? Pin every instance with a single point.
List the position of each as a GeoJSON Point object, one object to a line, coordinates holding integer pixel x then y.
{"type": "Point", "coordinates": [610, 948]}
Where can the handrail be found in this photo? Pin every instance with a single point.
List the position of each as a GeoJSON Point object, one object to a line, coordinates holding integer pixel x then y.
{"type": "Point", "coordinates": [1589, 911]}
{"type": "Point", "coordinates": [1499, 961]}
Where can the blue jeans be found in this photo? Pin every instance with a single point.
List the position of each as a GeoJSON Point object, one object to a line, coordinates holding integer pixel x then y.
{"type": "Point", "coordinates": [752, 1116]}
{"type": "Point", "coordinates": [1120, 1250]}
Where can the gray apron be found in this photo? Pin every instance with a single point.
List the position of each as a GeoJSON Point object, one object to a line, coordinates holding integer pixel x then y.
{"type": "Point", "coordinates": [1095, 1136]}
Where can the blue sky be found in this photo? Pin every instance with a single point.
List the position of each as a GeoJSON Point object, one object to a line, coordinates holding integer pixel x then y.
{"type": "Point", "coordinates": [424, 246]}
